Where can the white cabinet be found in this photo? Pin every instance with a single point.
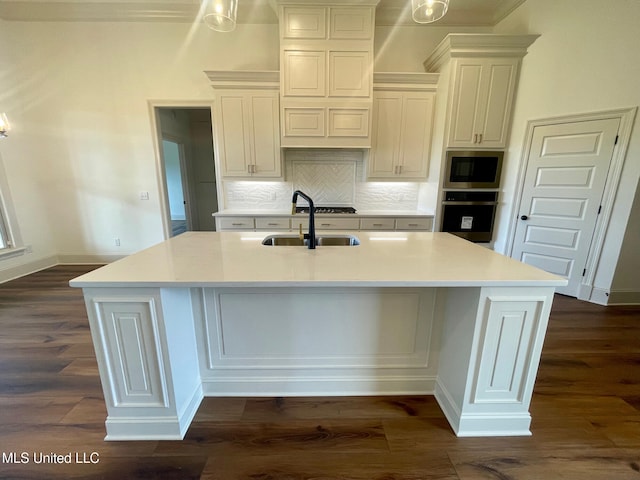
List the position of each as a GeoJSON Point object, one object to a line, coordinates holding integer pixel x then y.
{"type": "Point", "coordinates": [326, 63]}
{"type": "Point", "coordinates": [402, 130]}
{"type": "Point", "coordinates": [323, 222]}
{"type": "Point", "coordinates": [481, 104]}
{"type": "Point", "coordinates": [247, 133]}
{"type": "Point", "coordinates": [480, 76]}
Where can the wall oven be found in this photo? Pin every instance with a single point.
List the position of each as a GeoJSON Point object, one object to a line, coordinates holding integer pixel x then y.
{"type": "Point", "coordinates": [469, 214]}
{"type": "Point", "coordinates": [472, 169]}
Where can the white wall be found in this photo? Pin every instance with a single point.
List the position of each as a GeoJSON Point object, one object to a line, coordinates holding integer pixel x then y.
{"type": "Point", "coordinates": [82, 148]}
{"type": "Point", "coordinates": [586, 60]}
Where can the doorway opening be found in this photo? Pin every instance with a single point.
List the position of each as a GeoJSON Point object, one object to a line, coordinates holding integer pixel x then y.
{"type": "Point", "coordinates": [187, 160]}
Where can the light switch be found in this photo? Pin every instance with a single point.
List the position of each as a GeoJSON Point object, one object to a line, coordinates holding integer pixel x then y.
{"type": "Point", "coordinates": [144, 195]}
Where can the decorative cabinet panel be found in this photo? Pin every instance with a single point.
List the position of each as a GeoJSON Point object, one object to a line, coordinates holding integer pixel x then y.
{"type": "Point", "coordinates": [349, 74]}
{"type": "Point", "coordinates": [304, 73]}
{"type": "Point", "coordinates": [402, 127]}
{"type": "Point", "coordinates": [303, 22]}
{"type": "Point", "coordinates": [326, 63]}
{"type": "Point", "coordinates": [482, 98]}
{"type": "Point", "coordinates": [131, 354]}
{"type": "Point", "coordinates": [247, 133]}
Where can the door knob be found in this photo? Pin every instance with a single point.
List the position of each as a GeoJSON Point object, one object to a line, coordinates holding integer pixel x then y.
{"type": "Point", "coordinates": [524, 217]}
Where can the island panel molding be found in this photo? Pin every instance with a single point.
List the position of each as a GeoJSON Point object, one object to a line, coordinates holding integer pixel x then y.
{"type": "Point", "coordinates": [220, 314]}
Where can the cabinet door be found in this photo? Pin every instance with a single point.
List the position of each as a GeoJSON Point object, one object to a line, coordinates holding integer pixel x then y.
{"type": "Point", "coordinates": [232, 138]}
{"type": "Point", "coordinates": [482, 97]}
{"type": "Point", "coordinates": [385, 144]}
{"type": "Point", "coordinates": [415, 140]}
{"type": "Point", "coordinates": [349, 74]}
{"type": "Point", "coordinates": [265, 134]}
{"type": "Point", "coordinates": [465, 104]}
{"type": "Point", "coordinates": [499, 81]}
{"type": "Point", "coordinates": [304, 73]}
{"type": "Point", "coordinates": [303, 122]}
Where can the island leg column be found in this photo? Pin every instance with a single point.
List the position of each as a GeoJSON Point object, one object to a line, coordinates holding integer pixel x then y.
{"type": "Point", "coordinates": [145, 346]}
{"type": "Point", "coordinates": [490, 351]}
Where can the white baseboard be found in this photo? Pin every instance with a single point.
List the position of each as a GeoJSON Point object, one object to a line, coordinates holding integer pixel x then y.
{"type": "Point", "coordinates": [27, 268]}
{"type": "Point", "coordinates": [481, 425]}
{"type": "Point", "coordinates": [72, 259]}
{"type": "Point", "coordinates": [624, 297]}
{"type": "Point", "coordinates": [298, 387]}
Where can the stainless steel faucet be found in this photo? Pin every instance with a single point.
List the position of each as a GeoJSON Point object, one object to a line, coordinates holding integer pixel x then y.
{"type": "Point", "coordinates": [311, 236]}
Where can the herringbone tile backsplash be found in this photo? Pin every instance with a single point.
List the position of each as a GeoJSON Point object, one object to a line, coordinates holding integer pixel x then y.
{"type": "Point", "coordinates": [330, 177]}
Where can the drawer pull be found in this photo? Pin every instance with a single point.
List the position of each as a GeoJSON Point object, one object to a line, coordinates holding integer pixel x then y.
{"type": "Point", "coordinates": [414, 224]}
{"type": "Point", "coordinates": [273, 224]}
{"type": "Point", "coordinates": [377, 225]}
{"type": "Point", "coordinates": [238, 224]}
{"type": "Point", "coordinates": [325, 224]}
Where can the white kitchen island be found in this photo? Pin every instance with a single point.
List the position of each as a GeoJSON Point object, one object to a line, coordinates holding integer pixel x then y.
{"type": "Point", "coordinates": [220, 314]}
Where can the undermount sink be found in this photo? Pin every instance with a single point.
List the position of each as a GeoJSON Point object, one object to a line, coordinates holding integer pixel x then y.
{"type": "Point", "coordinates": [321, 240]}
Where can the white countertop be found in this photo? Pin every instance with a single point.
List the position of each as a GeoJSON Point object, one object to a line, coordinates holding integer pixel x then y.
{"type": "Point", "coordinates": [383, 259]}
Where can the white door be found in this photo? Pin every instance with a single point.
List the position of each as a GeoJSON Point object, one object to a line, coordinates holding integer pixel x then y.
{"type": "Point", "coordinates": [564, 183]}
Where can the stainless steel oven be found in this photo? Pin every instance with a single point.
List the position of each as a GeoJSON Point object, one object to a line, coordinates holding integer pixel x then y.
{"type": "Point", "coordinates": [472, 169]}
{"type": "Point", "coordinates": [469, 214]}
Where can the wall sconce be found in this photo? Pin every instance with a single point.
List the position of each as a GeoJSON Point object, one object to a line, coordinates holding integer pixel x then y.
{"type": "Point", "coordinates": [428, 11]}
{"type": "Point", "coordinates": [4, 125]}
{"type": "Point", "coordinates": [222, 15]}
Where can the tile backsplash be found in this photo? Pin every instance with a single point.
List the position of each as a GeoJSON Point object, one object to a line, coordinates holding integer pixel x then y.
{"type": "Point", "coordinates": [330, 177]}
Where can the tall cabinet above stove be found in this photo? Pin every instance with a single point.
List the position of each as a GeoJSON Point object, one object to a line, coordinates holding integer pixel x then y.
{"type": "Point", "coordinates": [326, 73]}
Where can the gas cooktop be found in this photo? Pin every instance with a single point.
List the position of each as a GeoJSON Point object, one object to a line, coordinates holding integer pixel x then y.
{"type": "Point", "coordinates": [322, 209]}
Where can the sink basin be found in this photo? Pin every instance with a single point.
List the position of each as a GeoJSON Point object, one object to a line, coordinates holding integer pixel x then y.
{"type": "Point", "coordinates": [321, 240]}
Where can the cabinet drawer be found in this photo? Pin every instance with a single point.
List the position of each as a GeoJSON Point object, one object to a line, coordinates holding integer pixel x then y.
{"type": "Point", "coordinates": [236, 223]}
{"type": "Point", "coordinates": [272, 223]}
{"type": "Point", "coordinates": [423, 223]}
{"type": "Point", "coordinates": [377, 223]}
{"type": "Point", "coordinates": [328, 223]}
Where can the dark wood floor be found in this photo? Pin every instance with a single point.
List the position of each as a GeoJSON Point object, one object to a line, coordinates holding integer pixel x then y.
{"type": "Point", "coordinates": [586, 411]}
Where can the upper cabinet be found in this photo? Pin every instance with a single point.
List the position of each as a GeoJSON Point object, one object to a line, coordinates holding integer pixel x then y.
{"type": "Point", "coordinates": [246, 123]}
{"type": "Point", "coordinates": [326, 65]}
{"type": "Point", "coordinates": [482, 99]}
{"type": "Point", "coordinates": [483, 72]}
{"type": "Point", "coordinates": [403, 108]}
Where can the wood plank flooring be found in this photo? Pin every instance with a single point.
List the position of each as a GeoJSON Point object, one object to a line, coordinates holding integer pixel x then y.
{"type": "Point", "coordinates": [586, 411]}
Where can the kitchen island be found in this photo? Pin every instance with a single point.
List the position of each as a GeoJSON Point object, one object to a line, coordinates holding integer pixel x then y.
{"type": "Point", "coordinates": [220, 314]}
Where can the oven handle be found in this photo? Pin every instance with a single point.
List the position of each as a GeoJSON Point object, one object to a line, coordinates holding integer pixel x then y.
{"type": "Point", "coordinates": [468, 203]}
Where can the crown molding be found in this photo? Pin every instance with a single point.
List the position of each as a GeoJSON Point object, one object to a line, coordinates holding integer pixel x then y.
{"type": "Point", "coordinates": [478, 45]}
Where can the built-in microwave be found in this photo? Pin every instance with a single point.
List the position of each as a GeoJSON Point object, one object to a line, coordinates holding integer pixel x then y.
{"type": "Point", "coordinates": [473, 169]}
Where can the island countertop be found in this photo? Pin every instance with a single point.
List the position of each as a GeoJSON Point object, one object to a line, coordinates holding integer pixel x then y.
{"type": "Point", "coordinates": [383, 259]}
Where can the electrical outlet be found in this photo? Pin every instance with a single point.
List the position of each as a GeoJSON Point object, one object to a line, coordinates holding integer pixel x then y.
{"type": "Point", "coordinates": [117, 241]}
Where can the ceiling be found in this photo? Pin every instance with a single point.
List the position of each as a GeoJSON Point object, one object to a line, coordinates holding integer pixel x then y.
{"type": "Point", "coordinates": [388, 12]}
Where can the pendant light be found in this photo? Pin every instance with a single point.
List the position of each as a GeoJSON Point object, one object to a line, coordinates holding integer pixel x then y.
{"type": "Point", "coordinates": [428, 11]}
{"type": "Point", "coordinates": [221, 15]}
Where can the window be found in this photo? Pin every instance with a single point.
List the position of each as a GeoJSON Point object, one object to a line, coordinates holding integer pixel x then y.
{"type": "Point", "coordinates": [5, 241]}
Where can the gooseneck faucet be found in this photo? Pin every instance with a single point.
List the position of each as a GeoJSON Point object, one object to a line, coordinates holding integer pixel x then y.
{"type": "Point", "coordinates": [311, 236]}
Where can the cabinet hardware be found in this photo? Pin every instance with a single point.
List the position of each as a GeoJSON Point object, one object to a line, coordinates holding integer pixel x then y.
{"type": "Point", "coordinates": [524, 217]}
{"type": "Point", "coordinates": [272, 224]}
{"type": "Point", "coordinates": [377, 224]}
{"type": "Point", "coordinates": [414, 225]}
{"type": "Point", "coordinates": [238, 224]}
{"type": "Point", "coordinates": [479, 138]}
{"type": "Point", "coordinates": [475, 138]}
{"type": "Point", "coordinates": [325, 224]}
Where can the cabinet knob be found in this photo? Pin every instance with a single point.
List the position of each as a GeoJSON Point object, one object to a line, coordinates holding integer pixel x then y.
{"type": "Point", "coordinates": [524, 217]}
